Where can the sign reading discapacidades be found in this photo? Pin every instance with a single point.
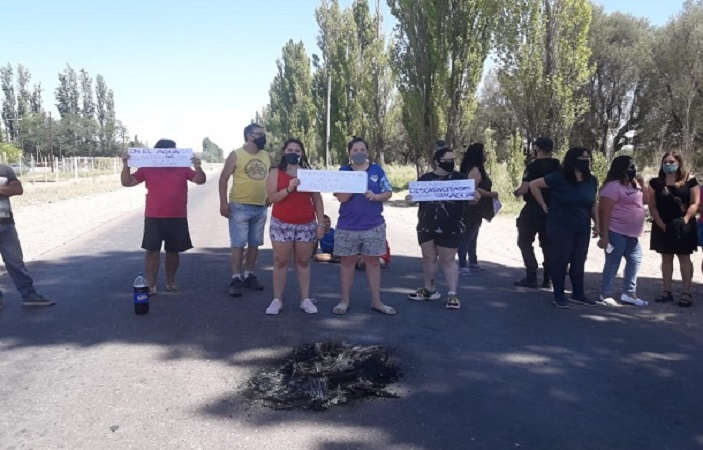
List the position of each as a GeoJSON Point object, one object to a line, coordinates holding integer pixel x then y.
{"type": "Point", "coordinates": [427, 191]}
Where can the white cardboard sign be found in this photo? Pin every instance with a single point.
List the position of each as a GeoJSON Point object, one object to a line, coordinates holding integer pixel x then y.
{"type": "Point", "coordinates": [450, 190]}
{"type": "Point", "coordinates": [160, 157]}
{"type": "Point", "coordinates": [347, 182]}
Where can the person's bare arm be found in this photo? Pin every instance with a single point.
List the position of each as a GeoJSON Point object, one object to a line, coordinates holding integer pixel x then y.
{"type": "Point", "coordinates": [536, 187]}
{"type": "Point", "coordinates": [605, 209]}
{"type": "Point", "coordinates": [200, 177]}
{"type": "Point", "coordinates": [273, 194]}
{"type": "Point", "coordinates": [523, 189]}
{"type": "Point", "coordinates": [475, 174]}
{"type": "Point", "coordinates": [227, 171]}
{"type": "Point", "coordinates": [693, 207]}
{"type": "Point", "coordinates": [12, 188]}
{"type": "Point", "coordinates": [126, 177]}
{"type": "Point", "coordinates": [653, 211]}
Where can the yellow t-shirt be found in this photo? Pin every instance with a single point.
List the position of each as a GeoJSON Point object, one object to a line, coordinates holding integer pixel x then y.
{"type": "Point", "coordinates": [249, 178]}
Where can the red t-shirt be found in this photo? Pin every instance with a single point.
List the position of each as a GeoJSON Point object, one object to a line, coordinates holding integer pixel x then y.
{"type": "Point", "coordinates": [297, 207]}
{"type": "Point", "coordinates": [167, 190]}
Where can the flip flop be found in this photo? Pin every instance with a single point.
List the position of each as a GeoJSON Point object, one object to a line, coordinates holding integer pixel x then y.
{"type": "Point", "coordinates": [384, 309]}
{"type": "Point", "coordinates": [340, 309]}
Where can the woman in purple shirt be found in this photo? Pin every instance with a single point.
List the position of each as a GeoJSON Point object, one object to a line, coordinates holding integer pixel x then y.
{"type": "Point", "coordinates": [621, 219]}
{"type": "Point", "coordinates": [361, 229]}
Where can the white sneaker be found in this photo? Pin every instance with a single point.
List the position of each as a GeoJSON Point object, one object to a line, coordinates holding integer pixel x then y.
{"type": "Point", "coordinates": [633, 300]}
{"type": "Point", "coordinates": [275, 307]}
{"type": "Point", "coordinates": [308, 306]}
{"type": "Point", "coordinates": [610, 301]}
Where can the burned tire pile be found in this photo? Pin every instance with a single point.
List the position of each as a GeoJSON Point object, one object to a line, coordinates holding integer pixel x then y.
{"type": "Point", "coordinates": [320, 375]}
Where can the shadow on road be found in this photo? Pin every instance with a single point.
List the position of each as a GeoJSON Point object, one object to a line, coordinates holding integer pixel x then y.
{"type": "Point", "coordinates": [506, 369]}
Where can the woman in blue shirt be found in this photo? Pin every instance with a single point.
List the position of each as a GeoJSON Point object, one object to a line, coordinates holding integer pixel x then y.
{"type": "Point", "coordinates": [573, 204]}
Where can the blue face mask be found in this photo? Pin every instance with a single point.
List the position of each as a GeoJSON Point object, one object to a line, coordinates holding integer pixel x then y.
{"type": "Point", "coordinates": [670, 168]}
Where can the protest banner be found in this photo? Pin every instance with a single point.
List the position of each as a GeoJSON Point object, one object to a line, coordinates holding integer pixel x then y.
{"type": "Point", "coordinates": [428, 191]}
{"type": "Point", "coordinates": [160, 157]}
{"type": "Point", "coordinates": [349, 182]}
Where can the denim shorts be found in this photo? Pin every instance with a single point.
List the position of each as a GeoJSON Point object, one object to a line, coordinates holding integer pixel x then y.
{"type": "Point", "coordinates": [290, 232]}
{"type": "Point", "coordinates": [246, 225]}
{"type": "Point", "coordinates": [365, 242]}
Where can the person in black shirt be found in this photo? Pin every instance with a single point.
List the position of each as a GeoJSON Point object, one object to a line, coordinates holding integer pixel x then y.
{"type": "Point", "coordinates": [573, 205]}
{"type": "Point", "coordinates": [439, 231]}
{"type": "Point", "coordinates": [532, 219]}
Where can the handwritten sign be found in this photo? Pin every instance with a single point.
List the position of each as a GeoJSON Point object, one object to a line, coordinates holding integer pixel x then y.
{"type": "Point", "coordinates": [348, 182]}
{"type": "Point", "coordinates": [160, 157]}
{"type": "Point", "coordinates": [428, 191]}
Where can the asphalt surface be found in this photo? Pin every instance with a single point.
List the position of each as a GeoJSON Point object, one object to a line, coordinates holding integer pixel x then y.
{"type": "Point", "coordinates": [507, 370]}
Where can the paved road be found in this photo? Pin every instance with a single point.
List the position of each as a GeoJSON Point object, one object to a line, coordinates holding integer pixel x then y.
{"type": "Point", "coordinates": [508, 370]}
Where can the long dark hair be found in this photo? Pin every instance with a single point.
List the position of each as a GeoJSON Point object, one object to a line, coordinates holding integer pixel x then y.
{"type": "Point", "coordinates": [303, 163]}
{"type": "Point", "coordinates": [681, 174]}
{"type": "Point", "coordinates": [473, 157]}
{"type": "Point", "coordinates": [617, 170]}
{"type": "Point", "coordinates": [568, 166]}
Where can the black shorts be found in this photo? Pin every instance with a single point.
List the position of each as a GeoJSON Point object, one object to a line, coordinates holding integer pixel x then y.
{"type": "Point", "coordinates": [440, 239]}
{"type": "Point", "coordinates": [173, 232]}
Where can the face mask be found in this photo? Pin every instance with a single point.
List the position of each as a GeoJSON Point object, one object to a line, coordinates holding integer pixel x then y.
{"type": "Point", "coordinates": [631, 174]}
{"type": "Point", "coordinates": [292, 158]}
{"type": "Point", "coordinates": [260, 142]}
{"type": "Point", "coordinates": [583, 166]}
{"type": "Point", "coordinates": [447, 166]}
{"type": "Point", "coordinates": [670, 168]}
{"type": "Point", "coordinates": [358, 158]}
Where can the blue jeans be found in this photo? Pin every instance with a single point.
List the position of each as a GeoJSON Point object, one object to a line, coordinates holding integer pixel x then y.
{"type": "Point", "coordinates": [630, 248]}
{"type": "Point", "coordinates": [569, 251]}
{"type": "Point", "coordinates": [11, 252]}
{"type": "Point", "coordinates": [246, 225]}
{"type": "Point", "coordinates": [467, 245]}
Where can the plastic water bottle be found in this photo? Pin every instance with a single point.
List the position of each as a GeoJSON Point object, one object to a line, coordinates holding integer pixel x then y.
{"type": "Point", "coordinates": [141, 295]}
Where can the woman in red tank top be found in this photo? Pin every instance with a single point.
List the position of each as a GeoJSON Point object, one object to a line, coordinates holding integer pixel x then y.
{"type": "Point", "coordinates": [296, 225]}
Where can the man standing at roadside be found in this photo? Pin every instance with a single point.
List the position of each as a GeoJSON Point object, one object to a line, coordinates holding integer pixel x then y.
{"type": "Point", "coordinates": [532, 218]}
{"type": "Point", "coordinates": [10, 247]}
{"type": "Point", "coordinates": [166, 215]}
{"type": "Point", "coordinates": [245, 208]}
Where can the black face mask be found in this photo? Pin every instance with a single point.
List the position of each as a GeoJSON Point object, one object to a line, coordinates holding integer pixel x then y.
{"type": "Point", "coordinates": [447, 166]}
{"type": "Point", "coordinates": [631, 174]}
{"type": "Point", "coordinates": [260, 142]}
{"type": "Point", "coordinates": [292, 158]}
{"type": "Point", "coordinates": [583, 166]}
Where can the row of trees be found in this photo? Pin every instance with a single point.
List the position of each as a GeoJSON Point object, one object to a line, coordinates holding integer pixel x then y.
{"type": "Point", "coordinates": [86, 126]}
{"type": "Point", "coordinates": [561, 68]}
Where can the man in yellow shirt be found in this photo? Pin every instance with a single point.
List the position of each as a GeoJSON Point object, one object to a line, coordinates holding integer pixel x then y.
{"type": "Point", "coordinates": [245, 207]}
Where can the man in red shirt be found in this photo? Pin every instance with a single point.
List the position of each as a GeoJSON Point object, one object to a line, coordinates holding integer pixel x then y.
{"type": "Point", "coordinates": [166, 217]}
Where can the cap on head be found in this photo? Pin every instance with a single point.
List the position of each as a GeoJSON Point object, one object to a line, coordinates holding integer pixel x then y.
{"type": "Point", "coordinates": [544, 143]}
{"type": "Point", "coordinates": [165, 143]}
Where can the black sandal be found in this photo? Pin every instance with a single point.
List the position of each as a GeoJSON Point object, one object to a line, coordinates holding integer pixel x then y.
{"type": "Point", "coordinates": [664, 297]}
{"type": "Point", "coordinates": [685, 300]}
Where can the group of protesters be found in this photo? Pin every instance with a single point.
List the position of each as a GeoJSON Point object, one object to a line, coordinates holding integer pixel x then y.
{"type": "Point", "coordinates": [563, 203]}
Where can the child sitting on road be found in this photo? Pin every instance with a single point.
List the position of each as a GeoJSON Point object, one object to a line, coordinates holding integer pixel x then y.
{"type": "Point", "coordinates": [326, 244]}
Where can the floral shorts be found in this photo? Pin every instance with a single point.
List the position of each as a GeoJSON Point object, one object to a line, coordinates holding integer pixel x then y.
{"type": "Point", "coordinates": [289, 232]}
{"type": "Point", "coordinates": [367, 242]}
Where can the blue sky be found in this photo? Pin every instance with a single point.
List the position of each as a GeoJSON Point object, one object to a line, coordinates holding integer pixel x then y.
{"type": "Point", "coordinates": [182, 69]}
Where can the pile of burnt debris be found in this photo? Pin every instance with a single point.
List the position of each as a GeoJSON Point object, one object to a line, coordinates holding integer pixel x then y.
{"type": "Point", "coordinates": [324, 374]}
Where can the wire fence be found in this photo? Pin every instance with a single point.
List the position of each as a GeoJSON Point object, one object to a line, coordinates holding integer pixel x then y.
{"type": "Point", "coordinates": [58, 169]}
